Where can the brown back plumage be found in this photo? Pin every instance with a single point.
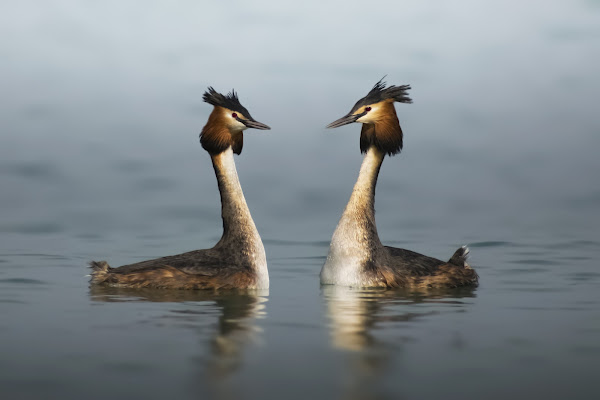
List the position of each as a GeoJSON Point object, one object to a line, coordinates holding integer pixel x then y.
{"type": "Point", "coordinates": [214, 268]}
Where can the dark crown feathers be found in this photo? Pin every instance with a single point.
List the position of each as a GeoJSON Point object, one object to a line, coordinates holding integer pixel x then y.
{"type": "Point", "coordinates": [231, 101]}
{"type": "Point", "coordinates": [380, 93]}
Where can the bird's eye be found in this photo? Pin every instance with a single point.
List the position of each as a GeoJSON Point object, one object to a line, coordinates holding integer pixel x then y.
{"type": "Point", "coordinates": [234, 115]}
{"type": "Point", "coordinates": [367, 109]}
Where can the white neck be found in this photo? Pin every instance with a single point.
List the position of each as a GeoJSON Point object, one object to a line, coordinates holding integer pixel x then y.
{"type": "Point", "coordinates": [362, 200]}
{"type": "Point", "coordinates": [239, 232]}
{"type": "Point", "coordinates": [355, 241]}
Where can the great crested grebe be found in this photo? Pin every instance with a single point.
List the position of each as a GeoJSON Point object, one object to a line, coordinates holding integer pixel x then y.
{"type": "Point", "coordinates": [238, 260]}
{"type": "Point", "coordinates": [356, 256]}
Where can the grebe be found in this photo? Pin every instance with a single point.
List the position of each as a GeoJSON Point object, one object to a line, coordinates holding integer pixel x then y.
{"type": "Point", "coordinates": [238, 260]}
{"type": "Point", "coordinates": [356, 256]}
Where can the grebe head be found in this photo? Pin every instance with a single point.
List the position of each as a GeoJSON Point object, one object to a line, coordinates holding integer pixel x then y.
{"type": "Point", "coordinates": [375, 105]}
{"type": "Point", "coordinates": [377, 114]}
{"type": "Point", "coordinates": [226, 123]}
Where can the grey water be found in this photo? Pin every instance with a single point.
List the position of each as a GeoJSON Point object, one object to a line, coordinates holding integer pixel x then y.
{"type": "Point", "coordinates": [100, 110]}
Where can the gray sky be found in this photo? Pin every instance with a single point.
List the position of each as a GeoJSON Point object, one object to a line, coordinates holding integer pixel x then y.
{"type": "Point", "coordinates": [505, 94]}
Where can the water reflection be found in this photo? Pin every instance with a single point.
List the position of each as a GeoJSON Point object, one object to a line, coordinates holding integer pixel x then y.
{"type": "Point", "coordinates": [234, 330]}
{"type": "Point", "coordinates": [355, 312]}
{"type": "Point", "coordinates": [367, 324]}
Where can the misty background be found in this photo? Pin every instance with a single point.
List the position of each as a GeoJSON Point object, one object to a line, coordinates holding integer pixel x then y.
{"type": "Point", "coordinates": [504, 122]}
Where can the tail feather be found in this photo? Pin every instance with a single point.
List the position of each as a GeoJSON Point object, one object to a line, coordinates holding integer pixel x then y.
{"type": "Point", "coordinates": [459, 258]}
{"type": "Point", "coordinates": [99, 271]}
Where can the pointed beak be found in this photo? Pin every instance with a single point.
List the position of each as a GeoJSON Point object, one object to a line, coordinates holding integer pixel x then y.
{"type": "Point", "coordinates": [250, 123]}
{"type": "Point", "coordinates": [345, 120]}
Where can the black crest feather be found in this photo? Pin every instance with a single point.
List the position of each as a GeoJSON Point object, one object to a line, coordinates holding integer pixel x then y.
{"type": "Point", "coordinates": [380, 93]}
{"type": "Point", "coordinates": [231, 101]}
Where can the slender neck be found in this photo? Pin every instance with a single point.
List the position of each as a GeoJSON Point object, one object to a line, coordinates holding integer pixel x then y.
{"type": "Point", "coordinates": [355, 246]}
{"type": "Point", "coordinates": [356, 233]}
{"type": "Point", "coordinates": [362, 200]}
{"type": "Point", "coordinates": [238, 226]}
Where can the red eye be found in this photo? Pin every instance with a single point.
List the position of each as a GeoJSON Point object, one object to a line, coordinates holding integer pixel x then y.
{"type": "Point", "coordinates": [367, 109]}
{"type": "Point", "coordinates": [234, 115]}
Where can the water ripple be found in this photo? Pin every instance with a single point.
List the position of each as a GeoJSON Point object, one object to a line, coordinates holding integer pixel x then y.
{"type": "Point", "coordinates": [592, 351]}
{"type": "Point", "coordinates": [492, 243]}
{"type": "Point", "coordinates": [26, 281]}
{"type": "Point", "coordinates": [538, 289]}
{"type": "Point", "coordinates": [572, 244]}
{"type": "Point", "coordinates": [525, 270]}
{"type": "Point", "coordinates": [31, 170]}
{"type": "Point", "coordinates": [42, 256]}
{"type": "Point", "coordinates": [32, 228]}
{"type": "Point", "coordinates": [534, 261]}
{"type": "Point", "coordinates": [584, 276]}
{"type": "Point", "coordinates": [12, 301]}
{"type": "Point", "coordinates": [127, 367]}
{"type": "Point", "coordinates": [184, 212]}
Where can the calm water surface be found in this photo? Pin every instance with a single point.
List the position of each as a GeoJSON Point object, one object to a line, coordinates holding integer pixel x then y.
{"type": "Point", "coordinates": [99, 159]}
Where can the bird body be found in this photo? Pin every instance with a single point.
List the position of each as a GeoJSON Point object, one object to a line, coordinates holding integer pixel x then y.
{"type": "Point", "coordinates": [238, 260]}
{"type": "Point", "coordinates": [356, 255]}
